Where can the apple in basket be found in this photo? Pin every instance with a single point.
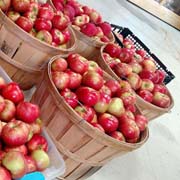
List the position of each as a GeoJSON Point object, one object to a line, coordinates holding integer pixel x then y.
{"type": "Point", "coordinates": [134, 80]}
{"type": "Point", "coordinates": [160, 88]}
{"type": "Point", "coordinates": [93, 66]}
{"type": "Point", "coordinates": [59, 64]}
{"type": "Point", "coordinates": [147, 84]}
{"type": "Point", "coordinates": [95, 17]}
{"type": "Point", "coordinates": [25, 23]}
{"type": "Point", "coordinates": [57, 36]}
{"type": "Point", "coordinates": [146, 95]}
{"type": "Point", "coordinates": [21, 5]}
{"type": "Point", "coordinates": [112, 49]}
{"type": "Point", "coordinates": [117, 135]}
{"type": "Point", "coordinates": [89, 29]}
{"type": "Point", "coordinates": [81, 20]}
{"type": "Point", "coordinates": [98, 126]}
{"type": "Point", "coordinates": [5, 4]}
{"type": "Point", "coordinates": [45, 13]}
{"type": "Point", "coordinates": [42, 24]}
{"type": "Point", "coordinates": [141, 121]}
{"type": "Point", "coordinates": [13, 15]}
{"type": "Point", "coordinates": [4, 174]}
{"type": "Point", "coordinates": [22, 148]}
{"type": "Point", "coordinates": [44, 36]}
{"type": "Point", "coordinates": [30, 164]}
{"type": "Point", "coordinates": [113, 85]}
{"type": "Point", "coordinates": [69, 11]}
{"type": "Point", "coordinates": [2, 104]}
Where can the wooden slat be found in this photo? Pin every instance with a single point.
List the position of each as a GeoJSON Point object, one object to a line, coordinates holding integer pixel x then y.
{"type": "Point", "coordinates": [158, 10]}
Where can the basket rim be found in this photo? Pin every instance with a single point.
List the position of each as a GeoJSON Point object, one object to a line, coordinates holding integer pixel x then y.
{"type": "Point", "coordinates": [83, 124]}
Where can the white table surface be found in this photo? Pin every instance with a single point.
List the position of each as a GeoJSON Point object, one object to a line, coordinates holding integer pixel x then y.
{"type": "Point", "coordinates": [159, 158]}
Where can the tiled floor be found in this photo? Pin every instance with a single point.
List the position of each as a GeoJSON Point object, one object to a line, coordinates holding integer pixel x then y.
{"type": "Point", "coordinates": [159, 158]}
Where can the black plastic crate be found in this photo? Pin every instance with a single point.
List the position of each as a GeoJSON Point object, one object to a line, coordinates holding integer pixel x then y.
{"type": "Point", "coordinates": [127, 33]}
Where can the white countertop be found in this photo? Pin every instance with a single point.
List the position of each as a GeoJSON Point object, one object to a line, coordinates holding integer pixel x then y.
{"type": "Point", "coordinates": [159, 158]}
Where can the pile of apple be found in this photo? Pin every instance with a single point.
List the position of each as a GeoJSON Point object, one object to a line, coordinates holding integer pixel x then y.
{"type": "Point", "coordinates": [22, 147]}
{"type": "Point", "coordinates": [108, 105]}
{"type": "Point", "coordinates": [139, 70]}
{"type": "Point", "coordinates": [85, 19]}
{"type": "Point", "coordinates": [39, 20]}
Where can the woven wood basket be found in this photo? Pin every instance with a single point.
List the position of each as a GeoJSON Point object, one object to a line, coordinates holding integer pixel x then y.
{"type": "Point", "coordinates": [80, 143]}
{"type": "Point", "coordinates": [149, 110]}
{"type": "Point", "coordinates": [26, 49]}
{"type": "Point", "coordinates": [25, 76]}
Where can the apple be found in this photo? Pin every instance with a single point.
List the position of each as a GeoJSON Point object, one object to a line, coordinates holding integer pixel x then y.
{"type": "Point", "coordinates": [41, 159]}
{"type": "Point", "coordinates": [60, 21]}
{"type": "Point", "coordinates": [112, 49]}
{"type": "Point", "coordinates": [103, 103]}
{"type": "Point", "coordinates": [98, 126]}
{"type": "Point", "coordinates": [87, 95]}
{"type": "Point", "coordinates": [89, 29]}
{"type": "Point", "coordinates": [45, 13]}
{"type": "Point", "coordinates": [77, 63]}
{"type": "Point", "coordinates": [108, 122]}
{"type": "Point", "coordinates": [86, 112]}
{"type": "Point", "coordinates": [81, 20]}
{"type": "Point", "coordinates": [2, 83]}
{"type": "Point", "coordinates": [14, 161]}
{"type": "Point", "coordinates": [42, 24]}
{"type": "Point", "coordinates": [128, 98]}
{"type": "Point", "coordinates": [67, 35]}
{"type": "Point", "coordinates": [4, 174]}
{"type": "Point", "coordinates": [146, 95]}
{"type": "Point", "coordinates": [124, 87]}
{"type": "Point", "coordinates": [122, 69]}
{"type": "Point", "coordinates": [161, 76]}
{"type": "Point", "coordinates": [59, 64]}
{"type": "Point", "coordinates": [86, 10]}
{"type": "Point", "coordinates": [93, 66]}
{"type": "Point", "coordinates": [146, 74]}
{"type": "Point", "coordinates": [106, 91]}
{"type": "Point", "coordinates": [44, 36]}
{"type": "Point", "coordinates": [69, 11]}
{"type": "Point", "coordinates": [13, 15]}
{"type": "Point", "coordinates": [92, 79]}
{"type": "Point", "coordinates": [36, 127]}
{"type": "Point", "coordinates": [160, 88]}
{"type": "Point", "coordinates": [136, 58]}
{"type": "Point", "coordinates": [131, 108]}
{"type": "Point", "coordinates": [106, 28]}
{"type": "Point", "coordinates": [30, 15]}
{"type": "Point", "coordinates": [15, 133]}
{"type": "Point", "coordinates": [61, 80]}
{"type": "Point", "coordinates": [161, 100]}
{"type": "Point", "coordinates": [117, 135]}
{"type": "Point", "coordinates": [25, 23]}
{"type": "Point", "coordinates": [141, 122]}
{"type": "Point", "coordinates": [2, 104]}
{"type": "Point", "coordinates": [70, 97]}
{"type": "Point", "coordinates": [21, 5]}
{"type": "Point", "coordinates": [134, 80]}
{"type": "Point", "coordinates": [130, 130]}
{"type": "Point", "coordinates": [27, 112]}
{"type": "Point", "coordinates": [34, 8]}
{"type": "Point", "coordinates": [58, 5]}
{"type": "Point", "coordinates": [147, 84]}
{"type": "Point", "coordinates": [99, 33]}
{"type": "Point", "coordinates": [128, 43]}
{"type": "Point", "coordinates": [113, 85]}
{"type": "Point", "coordinates": [9, 111]}
{"type": "Point", "coordinates": [116, 107]}
{"type": "Point", "coordinates": [21, 148]}
{"type": "Point", "coordinates": [57, 36]}
{"type": "Point", "coordinates": [136, 67]}
{"type": "Point", "coordinates": [141, 52]}
{"type": "Point", "coordinates": [30, 164]}
{"type": "Point", "coordinates": [126, 55]}
{"type": "Point", "coordinates": [75, 79]}
{"type": "Point", "coordinates": [33, 32]}
{"type": "Point", "coordinates": [149, 65]}
{"type": "Point", "coordinates": [95, 17]}
{"type": "Point", "coordinates": [5, 4]}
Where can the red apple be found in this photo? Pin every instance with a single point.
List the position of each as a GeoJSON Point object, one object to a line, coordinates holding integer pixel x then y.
{"type": "Point", "coordinates": [136, 67]}
{"type": "Point", "coordinates": [21, 5]}
{"type": "Point", "coordinates": [95, 17]}
{"type": "Point", "coordinates": [122, 69]}
{"type": "Point", "coordinates": [113, 85]}
{"type": "Point", "coordinates": [27, 112]}
{"type": "Point", "coordinates": [57, 36]}
{"type": "Point", "coordinates": [141, 52]}
{"type": "Point", "coordinates": [126, 55]}
{"type": "Point", "coordinates": [8, 112]}
{"type": "Point", "coordinates": [87, 95]}
{"type": "Point", "coordinates": [36, 127]}
{"type": "Point", "coordinates": [108, 122]}
{"type": "Point", "coordinates": [30, 164]}
{"type": "Point", "coordinates": [58, 4]}
{"type": "Point", "coordinates": [59, 64]}
{"type": "Point", "coordinates": [106, 28]}
{"type": "Point", "coordinates": [98, 126]}
{"type": "Point", "coordinates": [116, 107]}
{"type": "Point", "coordinates": [86, 112]}
{"type": "Point", "coordinates": [136, 58]}
{"type": "Point", "coordinates": [112, 49]}
{"type": "Point", "coordinates": [2, 104]}
{"type": "Point", "coordinates": [41, 159]}
{"type": "Point", "coordinates": [128, 43]}
{"type": "Point", "coordinates": [149, 65]}
{"type": "Point", "coordinates": [61, 80]}
{"type": "Point", "coordinates": [77, 63]}
{"type": "Point", "coordinates": [161, 100]}
{"type": "Point", "coordinates": [87, 10]}
{"type": "Point", "coordinates": [81, 20]}
{"type": "Point", "coordinates": [5, 4]}
{"type": "Point", "coordinates": [42, 24]}
{"type": "Point", "coordinates": [161, 76]}
{"type": "Point", "coordinates": [99, 33]}
{"type": "Point", "coordinates": [45, 13]}
{"type": "Point", "coordinates": [131, 108]}
{"type": "Point", "coordinates": [25, 23]}
{"type": "Point", "coordinates": [4, 174]}
{"type": "Point", "coordinates": [92, 79]}
{"type": "Point", "coordinates": [145, 74]}
{"type": "Point", "coordinates": [117, 135]}
{"type": "Point", "coordinates": [67, 35]}
{"type": "Point", "coordinates": [147, 84]}
{"type": "Point", "coordinates": [21, 148]}
{"type": "Point", "coordinates": [14, 161]}
{"type": "Point", "coordinates": [13, 15]}
{"type": "Point", "coordinates": [106, 91]}
{"type": "Point", "coordinates": [124, 87]}
{"type": "Point", "coordinates": [15, 133]}
{"type": "Point", "coordinates": [44, 36]}
{"type": "Point", "coordinates": [128, 98]}
{"type": "Point", "coordinates": [146, 95]}
{"type": "Point", "coordinates": [30, 15]}
{"type": "Point", "coordinates": [160, 88]}
{"type": "Point", "coordinates": [141, 122]}
{"type": "Point", "coordinates": [93, 66]}
{"type": "Point", "coordinates": [70, 97]}
{"type": "Point", "coordinates": [134, 80]}
{"type": "Point", "coordinates": [34, 8]}
{"type": "Point", "coordinates": [2, 83]}
{"type": "Point", "coordinates": [69, 11]}
{"type": "Point", "coordinates": [75, 79]}
{"type": "Point", "coordinates": [89, 29]}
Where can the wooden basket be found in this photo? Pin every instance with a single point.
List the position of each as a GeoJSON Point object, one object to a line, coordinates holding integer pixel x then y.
{"type": "Point", "coordinates": [26, 49]}
{"type": "Point", "coordinates": [25, 76]}
{"type": "Point", "coordinates": [147, 109]}
{"type": "Point", "coordinates": [87, 46]}
{"type": "Point", "coordinates": [81, 143]}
